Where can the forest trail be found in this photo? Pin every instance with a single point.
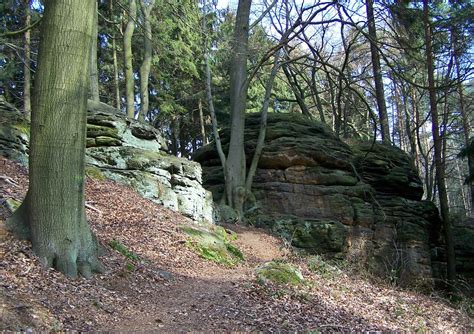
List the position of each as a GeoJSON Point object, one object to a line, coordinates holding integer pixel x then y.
{"type": "Point", "coordinates": [156, 283]}
{"type": "Point", "coordinates": [201, 301]}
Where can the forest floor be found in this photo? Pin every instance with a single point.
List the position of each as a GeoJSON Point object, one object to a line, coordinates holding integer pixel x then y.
{"type": "Point", "coordinates": [169, 288]}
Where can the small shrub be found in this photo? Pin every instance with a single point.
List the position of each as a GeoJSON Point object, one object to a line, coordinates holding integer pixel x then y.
{"type": "Point", "coordinates": [119, 247]}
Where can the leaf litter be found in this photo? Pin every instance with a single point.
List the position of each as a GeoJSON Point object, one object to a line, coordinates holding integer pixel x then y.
{"type": "Point", "coordinates": [155, 282]}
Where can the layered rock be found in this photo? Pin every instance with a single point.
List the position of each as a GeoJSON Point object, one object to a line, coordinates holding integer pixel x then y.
{"type": "Point", "coordinates": [14, 133]}
{"type": "Point", "coordinates": [360, 200]}
{"type": "Point", "coordinates": [128, 152]}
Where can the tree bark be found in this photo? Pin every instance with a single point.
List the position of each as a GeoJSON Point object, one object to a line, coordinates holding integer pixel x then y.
{"type": "Point", "coordinates": [146, 64]}
{"type": "Point", "coordinates": [52, 215]}
{"type": "Point", "coordinates": [127, 53]}
{"type": "Point", "coordinates": [202, 126]}
{"type": "Point", "coordinates": [466, 126]}
{"type": "Point", "coordinates": [27, 64]}
{"type": "Point", "coordinates": [379, 90]}
{"type": "Point", "coordinates": [236, 165]}
{"type": "Point", "coordinates": [115, 63]}
{"type": "Point", "coordinates": [439, 163]}
{"type": "Point", "coordinates": [94, 73]}
{"type": "Point", "coordinates": [263, 124]}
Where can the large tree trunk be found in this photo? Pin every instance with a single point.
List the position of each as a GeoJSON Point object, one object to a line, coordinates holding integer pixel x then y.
{"type": "Point", "coordinates": [127, 53]}
{"type": "Point", "coordinates": [379, 90]}
{"type": "Point", "coordinates": [145, 67]}
{"type": "Point", "coordinates": [94, 72]}
{"type": "Point", "coordinates": [235, 166]}
{"type": "Point", "coordinates": [27, 64]}
{"type": "Point", "coordinates": [52, 215]}
{"type": "Point", "coordinates": [438, 154]}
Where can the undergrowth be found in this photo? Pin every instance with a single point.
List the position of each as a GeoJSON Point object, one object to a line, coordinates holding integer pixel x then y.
{"type": "Point", "coordinates": [119, 247]}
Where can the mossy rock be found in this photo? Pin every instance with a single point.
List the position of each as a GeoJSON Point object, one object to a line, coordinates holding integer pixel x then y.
{"type": "Point", "coordinates": [95, 173]}
{"type": "Point", "coordinates": [213, 243]}
{"type": "Point", "coordinates": [11, 204]}
{"type": "Point", "coordinates": [99, 130]}
{"type": "Point", "coordinates": [279, 273]}
{"type": "Point", "coordinates": [107, 141]}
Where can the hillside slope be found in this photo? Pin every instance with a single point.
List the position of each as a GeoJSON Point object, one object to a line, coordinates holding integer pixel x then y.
{"type": "Point", "coordinates": [162, 285]}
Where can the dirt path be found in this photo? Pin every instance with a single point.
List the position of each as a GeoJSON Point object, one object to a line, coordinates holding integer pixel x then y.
{"type": "Point", "coordinates": [207, 300]}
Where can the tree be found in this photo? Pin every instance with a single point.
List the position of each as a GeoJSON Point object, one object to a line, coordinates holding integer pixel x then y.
{"type": "Point", "coordinates": [94, 73]}
{"type": "Point", "coordinates": [128, 56]}
{"type": "Point", "coordinates": [379, 90]}
{"type": "Point", "coordinates": [27, 64]}
{"type": "Point", "coordinates": [52, 215]}
{"type": "Point", "coordinates": [145, 67]}
{"type": "Point", "coordinates": [235, 165]}
{"type": "Point", "coordinates": [438, 149]}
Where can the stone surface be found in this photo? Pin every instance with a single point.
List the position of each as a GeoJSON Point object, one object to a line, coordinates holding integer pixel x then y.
{"type": "Point", "coordinates": [126, 151]}
{"type": "Point", "coordinates": [279, 273]}
{"type": "Point", "coordinates": [14, 133]}
{"type": "Point", "coordinates": [134, 153]}
{"type": "Point", "coordinates": [356, 200]}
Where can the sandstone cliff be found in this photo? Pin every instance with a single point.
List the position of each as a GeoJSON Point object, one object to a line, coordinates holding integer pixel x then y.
{"type": "Point", "coordinates": [357, 200]}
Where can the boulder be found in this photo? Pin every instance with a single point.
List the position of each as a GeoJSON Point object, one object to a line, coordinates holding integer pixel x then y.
{"type": "Point", "coordinates": [356, 200]}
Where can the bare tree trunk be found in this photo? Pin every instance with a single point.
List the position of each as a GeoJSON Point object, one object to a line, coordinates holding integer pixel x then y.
{"type": "Point", "coordinates": [201, 114]}
{"type": "Point", "coordinates": [52, 215]}
{"type": "Point", "coordinates": [379, 90]}
{"type": "Point", "coordinates": [235, 166]}
{"type": "Point", "coordinates": [316, 97]}
{"type": "Point", "coordinates": [440, 164]}
{"type": "Point", "coordinates": [94, 73]}
{"type": "Point", "coordinates": [127, 52]}
{"type": "Point", "coordinates": [263, 124]}
{"type": "Point", "coordinates": [466, 126]}
{"type": "Point", "coordinates": [115, 63]}
{"type": "Point", "coordinates": [148, 52]}
{"type": "Point", "coordinates": [27, 64]}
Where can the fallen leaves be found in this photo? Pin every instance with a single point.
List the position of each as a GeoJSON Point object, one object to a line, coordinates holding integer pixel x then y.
{"type": "Point", "coordinates": [167, 287]}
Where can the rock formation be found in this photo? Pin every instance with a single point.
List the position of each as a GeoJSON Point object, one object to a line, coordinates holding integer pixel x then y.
{"type": "Point", "coordinates": [14, 133]}
{"type": "Point", "coordinates": [360, 201]}
{"type": "Point", "coordinates": [126, 151]}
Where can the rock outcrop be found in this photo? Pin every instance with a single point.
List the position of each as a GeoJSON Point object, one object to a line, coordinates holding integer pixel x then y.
{"type": "Point", "coordinates": [128, 152]}
{"type": "Point", "coordinates": [361, 200]}
{"type": "Point", "coordinates": [14, 133]}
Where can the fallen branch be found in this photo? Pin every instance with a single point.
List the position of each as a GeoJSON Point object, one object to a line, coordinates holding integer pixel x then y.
{"type": "Point", "coordinates": [9, 180]}
{"type": "Point", "coordinates": [93, 208]}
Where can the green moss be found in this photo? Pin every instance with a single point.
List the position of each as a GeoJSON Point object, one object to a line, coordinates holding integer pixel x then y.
{"type": "Point", "coordinates": [279, 273]}
{"type": "Point", "coordinates": [23, 128]}
{"type": "Point", "coordinates": [107, 141]}
{"type": "Point", "coordinates": [12, 204]}
{"type": "Point", "coordinates": [213, 243]}
{"type": "Point", "coordinates": [98, 130]}
{"type": "Point", "coordinates": [119, 247]}
{"type": "Point", "coordinates": [95, 173]}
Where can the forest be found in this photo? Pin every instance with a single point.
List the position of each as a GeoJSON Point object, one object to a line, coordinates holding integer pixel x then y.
{"type": "Point", "coordinates": [342, 128]}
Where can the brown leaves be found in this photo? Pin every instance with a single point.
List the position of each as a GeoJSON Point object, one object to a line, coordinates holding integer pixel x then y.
{"type": "Point", "coordinates": [169, 288]}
